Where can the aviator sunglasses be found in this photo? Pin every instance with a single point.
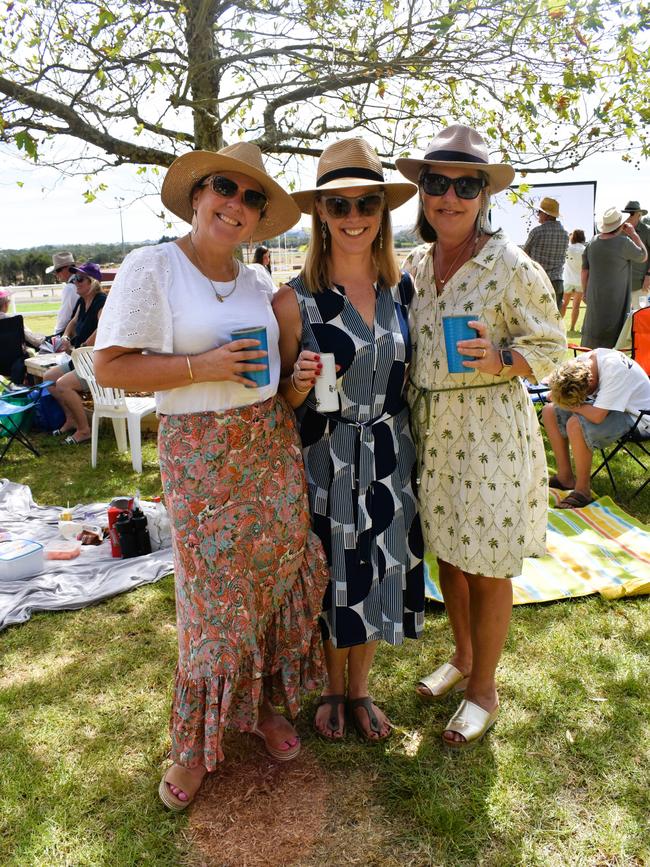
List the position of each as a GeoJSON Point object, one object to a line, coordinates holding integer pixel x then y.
{"type": "Point", "coordinates": [437, 185]}
{"type": "Point", "coordinates": [341, 206]}
{"type": "Point", "coordinates": [252, 199]}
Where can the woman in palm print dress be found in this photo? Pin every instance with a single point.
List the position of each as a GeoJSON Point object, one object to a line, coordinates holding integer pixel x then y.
{"type": "Point", "coordinates": [483, 485]}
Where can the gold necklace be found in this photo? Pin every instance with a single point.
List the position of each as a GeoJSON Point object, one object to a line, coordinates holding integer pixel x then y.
{"type": "Point", "coordinates": [221, 298]}
{"type": "Point", "coordinates": [443, 280]}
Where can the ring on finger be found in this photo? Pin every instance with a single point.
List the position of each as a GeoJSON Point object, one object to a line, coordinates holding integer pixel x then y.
{"type": "Point", "coordinates": [484, 353]}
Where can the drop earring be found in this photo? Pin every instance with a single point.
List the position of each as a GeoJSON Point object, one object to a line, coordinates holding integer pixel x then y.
{"type": "Point", "coordinates": [381, 237]}
{"type": "Point", "coordinates": [323, 232]}
{"type": "Point", "coordinates": [195, 222]}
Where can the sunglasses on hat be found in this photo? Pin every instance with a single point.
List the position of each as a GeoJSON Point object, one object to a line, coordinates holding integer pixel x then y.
{"type": "Point", "coordinates": [437, 185]}
{"type": "Point", "coordinates": [341, 206]}
{"type": "Point", "coordinates": [228, 189]}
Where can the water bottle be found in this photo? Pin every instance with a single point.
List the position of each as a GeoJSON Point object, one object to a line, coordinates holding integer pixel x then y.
{"type": "Point", "coordinates": [141, 532]}
{"type": "Point", "coordinates": [126, 534]}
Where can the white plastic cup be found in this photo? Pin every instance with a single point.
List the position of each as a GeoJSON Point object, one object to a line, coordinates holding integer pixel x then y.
{"type": "Point", "coordinates": [327, 397]}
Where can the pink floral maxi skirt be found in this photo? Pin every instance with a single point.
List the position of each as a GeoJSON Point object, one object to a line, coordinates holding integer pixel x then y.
{"type": "Point", "coordinates": [250, 573]}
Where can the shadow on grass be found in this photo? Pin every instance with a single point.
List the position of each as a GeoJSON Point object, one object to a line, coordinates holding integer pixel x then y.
{"type": "Point", "coordinates": [565, 756]}
{"type": "Point", "coordinates": [84, 706]}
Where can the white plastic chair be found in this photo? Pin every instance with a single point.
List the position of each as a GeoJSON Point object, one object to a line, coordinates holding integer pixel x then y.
{"type": "Point", "coordinates": [112, 403]}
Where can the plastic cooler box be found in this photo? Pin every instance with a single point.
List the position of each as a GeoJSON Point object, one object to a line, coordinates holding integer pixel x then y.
{"type": "Point", "coordinates": [20, 558]}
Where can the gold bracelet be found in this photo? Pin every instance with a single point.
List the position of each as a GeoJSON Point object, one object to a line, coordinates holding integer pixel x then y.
{"type": "Point", "coordinates": [189, 368]}
{"type": "Point", "coordinates": [295, 387]}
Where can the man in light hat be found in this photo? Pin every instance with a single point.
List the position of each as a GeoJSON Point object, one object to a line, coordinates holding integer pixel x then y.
{"type": "Point", "coordinates": [62, 264]}
{"type": "Point", "coordinates": [640, 270]}
{"type": "Point", "coordinates": [547, 244]}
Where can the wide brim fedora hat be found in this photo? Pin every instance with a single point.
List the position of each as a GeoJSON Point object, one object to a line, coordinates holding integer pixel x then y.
{"type": "Point", "coordinates": [352, 162]}
{"type": "Point", "coordinates": [611, 220]}
{"type": "Point", "coordinates": [634, 207]}
{"type": "Point", "coordinates": [280, 214]}
{"type": "Point", "coordinates": [462, 147]}
{"type": "Point", "coordinates": [60, 260]}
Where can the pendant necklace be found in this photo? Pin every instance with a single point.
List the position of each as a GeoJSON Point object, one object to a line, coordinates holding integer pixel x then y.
{"type": "Point", "coordinates": [443, 280]}
{"type": "Point", "coordinates": [220, 297]}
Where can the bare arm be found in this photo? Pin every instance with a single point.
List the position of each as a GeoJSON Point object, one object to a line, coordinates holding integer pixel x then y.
{"type": "Point", "coordinates": [131, 369]}
{"type": "Point", "coordinates": [595, 414]}
{"type": "Point", "coordinates": [629, 230]}
{"type": "Point", "coordinates": [584, 278]}
{"type": "Point", "coordinates": [287, 312]}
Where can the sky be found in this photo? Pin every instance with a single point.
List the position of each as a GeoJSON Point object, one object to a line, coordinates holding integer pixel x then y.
{"type": "Point", "coordinates": [49, 208]}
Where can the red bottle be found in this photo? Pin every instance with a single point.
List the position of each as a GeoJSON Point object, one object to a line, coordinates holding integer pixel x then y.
{"type": "Point", "coordinates": [115, 508]}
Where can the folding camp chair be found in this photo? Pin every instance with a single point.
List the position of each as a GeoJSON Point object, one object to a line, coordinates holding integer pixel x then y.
{"type": "Point", "coordinates": [638, 437]}
{"type": "Point", "coordinates": [641, 338]}
{"type": "Point", "coordinates": [12, 416]}
{"type": "Point", "coordinates": [538, 395]}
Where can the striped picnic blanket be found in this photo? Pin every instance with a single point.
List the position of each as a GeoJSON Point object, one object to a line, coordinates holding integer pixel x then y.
{"type": "Point", "coordinates": [598, 549]}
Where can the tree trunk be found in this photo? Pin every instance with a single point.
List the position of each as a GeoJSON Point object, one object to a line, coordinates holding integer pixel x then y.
{"type": "Point", "coordinates": [203, 75]}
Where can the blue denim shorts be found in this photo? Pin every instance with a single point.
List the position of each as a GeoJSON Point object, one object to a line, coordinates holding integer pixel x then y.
{"type": "Point", "coordinates": [597, 436]}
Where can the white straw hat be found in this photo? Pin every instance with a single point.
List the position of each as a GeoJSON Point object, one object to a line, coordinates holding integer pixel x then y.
{"type": "Point", "coordinates": [189, 169]}
{"type": "Point", "coordinates": [611, 220]}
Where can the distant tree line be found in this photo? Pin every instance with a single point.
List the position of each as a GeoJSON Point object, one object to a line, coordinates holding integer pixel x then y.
{"type": "Point", "coordinates": [27, 267]}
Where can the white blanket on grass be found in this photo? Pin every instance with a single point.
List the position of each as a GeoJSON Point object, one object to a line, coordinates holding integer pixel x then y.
{"type": "Point", "coordinates": [67, 584]}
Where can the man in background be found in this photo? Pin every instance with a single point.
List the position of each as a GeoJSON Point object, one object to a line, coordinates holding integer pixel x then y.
{"type": "Point", "coordinates": [547, 244]}
{"type": "Point", "coordinates": [640, 279]}
{"type": "Point", "coordinates": [61, 265]}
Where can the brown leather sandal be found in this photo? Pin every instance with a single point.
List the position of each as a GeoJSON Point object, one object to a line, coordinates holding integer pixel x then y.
{"type": "Point", "coordinates": [333, 726]}
{"type": "Point", "coordinates": [366, 703]}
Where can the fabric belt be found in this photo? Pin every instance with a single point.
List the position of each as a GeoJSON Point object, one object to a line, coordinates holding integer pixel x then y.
{"type": "Point", "coordinates": [363, 475]}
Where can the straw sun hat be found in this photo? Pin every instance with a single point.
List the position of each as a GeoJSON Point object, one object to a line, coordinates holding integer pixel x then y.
{"type": "Point", "coordinates": [351, 162]}
{"type": "Point", "coordinates": [185, 172]}
{"type": "Point", "coordinates": [611, 220]}
{"type": "Point", "coordinates": [459, 146]}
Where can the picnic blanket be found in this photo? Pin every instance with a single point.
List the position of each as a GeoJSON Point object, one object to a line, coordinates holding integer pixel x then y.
{"type": "Point", "coordinates": [598, 549]}
{"type": "Point", "coordinates": [66, 584]}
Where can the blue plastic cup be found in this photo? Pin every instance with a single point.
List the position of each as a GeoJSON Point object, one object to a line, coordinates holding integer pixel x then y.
{"type": "Point", "coordinates": [457, 328]}
{"type": "Point", "coordinates": [258, 332]}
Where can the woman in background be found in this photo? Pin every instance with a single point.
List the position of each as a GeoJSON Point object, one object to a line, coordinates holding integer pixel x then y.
{"type": "Point", "coordinates": [606, 278]}
{"type": "Point", "coordinates": [80, 331]}
{"type": "Point", "coordinates": [572, 278]}
{"type": "Point", "coordinates": [262, 256]}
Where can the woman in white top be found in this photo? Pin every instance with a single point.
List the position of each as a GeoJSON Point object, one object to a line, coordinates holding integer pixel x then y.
{"type": "Point", "coordinates": [250, 574]}
{"type": "Point", "coordinates": [572, 272]}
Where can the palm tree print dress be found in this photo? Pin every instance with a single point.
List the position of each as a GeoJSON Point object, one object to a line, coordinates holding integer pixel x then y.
{"type": "Point", "coordinates": [360, 466]}
{"type": "Point", "coordinates": [483, 478]}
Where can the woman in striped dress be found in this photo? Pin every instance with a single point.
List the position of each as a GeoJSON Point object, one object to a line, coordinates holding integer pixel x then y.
{"type": "Point", "coordinates": [351, 300]}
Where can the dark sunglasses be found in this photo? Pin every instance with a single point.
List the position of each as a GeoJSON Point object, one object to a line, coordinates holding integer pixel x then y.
{"type": "Point", "coordinates": [437, 185]}
{"type": "Point", "coordinates": [79, 278]}
{"type": "Point", "coordinates": [341, 206]}
{"type": "Point", "coordinates": [252, 199]}
{"type": "Point", "coordinates": [61, 268]}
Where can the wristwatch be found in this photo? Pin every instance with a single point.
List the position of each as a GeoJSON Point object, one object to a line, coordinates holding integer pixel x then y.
{"type": "Point", "coordinates": [507, 361]}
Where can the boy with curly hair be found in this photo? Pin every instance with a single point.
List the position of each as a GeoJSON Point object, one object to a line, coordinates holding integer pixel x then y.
{"type": "Point", "coordinates": [595, 399]}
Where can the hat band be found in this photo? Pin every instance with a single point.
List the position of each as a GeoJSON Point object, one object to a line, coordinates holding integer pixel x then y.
{"type": "Point", "coordinates": [355, 172]}
{"type": "Point", "coordinates": [454, 156]}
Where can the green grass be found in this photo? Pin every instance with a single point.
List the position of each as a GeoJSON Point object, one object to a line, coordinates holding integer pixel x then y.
{"type": "Point", "coordinates": [39, 304]}
{"type": "Point", "coordinates": [561, 780]}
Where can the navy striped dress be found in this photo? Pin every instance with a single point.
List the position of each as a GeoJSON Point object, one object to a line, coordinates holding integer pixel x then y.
{"type": "Point", "coordinates": [360, 464]}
